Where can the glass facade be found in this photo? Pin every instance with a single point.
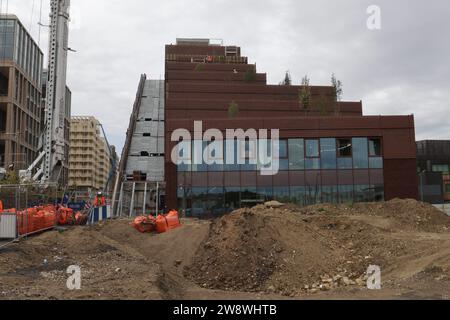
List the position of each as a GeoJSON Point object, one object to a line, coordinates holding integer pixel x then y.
{"type": "Point", "coordinates": [17, 45]}
{"type": "Point", "coordinates": [325, 170]}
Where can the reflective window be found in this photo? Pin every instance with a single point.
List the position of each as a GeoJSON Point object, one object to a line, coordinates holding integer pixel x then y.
{"type": "Point", "coordinates": [232, 199]}
{"type": "Point", "coordinates": [447, 188]}
{"type": "Point", "coordinates": [362, 193]}
{"type": "Point", "coordinates": [281, 194]}
{"type": "Point", "coordinates": [184, 148]}
{"type": "Point", "coordinates": [249, 197]}
{"type": "Point", "coordinates": [312, 148]}
{"type": "Point", "coordinates": [198, 202]}
{"type": "Point", "coordinates": [374, 147]}
{"type": "Point", "coordinates": [265, 193]}
{"type": "Point", "coordinates": [344, 147]}
{"type": "Point", "coordinates": [312, 164]}
{"type": "Point", "coordinates": [345, 193]}
{"type": "Point", "coordinates": [232, 149]}
{"type": "Point", "coordinates": [360, 153]}
{"type": "Point", "coordinates": [296, 154]}
{"type": "Point", "coordinates": [312, 195]}
{"type": "Point", "coordinates": [329, 194]}
{"type": "Point", "coordinates": [345, 163]}
{"type": "Point", "coordinates": [216, 154]}
{"type": "Point", "coordinates": [379, 193]}
{"type": "Point", "coordinates": [328, 153]}
{"type": "Point", "coordinates": [298, 195]}
{"type": "Point", "coordinates": [376, 163]}
{"type": "Point", "coordinates": [444, 168]}
{"type": "Point", "coordinates": [283, 149]}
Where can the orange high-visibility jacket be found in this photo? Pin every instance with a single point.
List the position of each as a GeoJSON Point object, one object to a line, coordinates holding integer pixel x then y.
{"type": "Point", "coordinates": [99, 202]}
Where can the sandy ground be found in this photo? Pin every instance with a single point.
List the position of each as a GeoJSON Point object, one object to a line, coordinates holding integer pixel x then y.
{"type": "Point", "coordinates": [117, 262]}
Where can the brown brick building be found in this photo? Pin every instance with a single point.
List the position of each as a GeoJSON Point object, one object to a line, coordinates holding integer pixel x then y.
{"type": "Point", "coordinates": [329, 151]}
{"type": "Point", "coordinates": [21, 63]}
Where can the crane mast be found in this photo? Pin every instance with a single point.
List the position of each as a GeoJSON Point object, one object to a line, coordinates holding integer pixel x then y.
{"type": "Point", "coordinates": [53, 140]}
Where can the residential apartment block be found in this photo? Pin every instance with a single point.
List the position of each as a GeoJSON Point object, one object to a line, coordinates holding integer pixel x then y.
{"type": "Point", "coordinates": [89, 165]}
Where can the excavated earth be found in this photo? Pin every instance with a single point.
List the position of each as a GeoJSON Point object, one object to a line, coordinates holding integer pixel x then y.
{"type": "Point", "coordinates": [271, 251]}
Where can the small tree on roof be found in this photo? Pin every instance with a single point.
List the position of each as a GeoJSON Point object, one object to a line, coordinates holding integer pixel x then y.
{"type": "Point", "coordinates": [304, 95]}
{"type": "Point", "coordinates": [287, 80]}
{"type": "Point", "coordinates": [337, 91]}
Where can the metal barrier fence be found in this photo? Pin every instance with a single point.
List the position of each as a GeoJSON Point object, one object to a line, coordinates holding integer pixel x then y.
{"type": "Point", "coordinates": [136, 198]}
{"type": "Point", "coordinates": [17, 199]}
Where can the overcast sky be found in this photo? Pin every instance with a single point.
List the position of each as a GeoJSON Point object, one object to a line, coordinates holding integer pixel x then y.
{"type": "Point", "coordinates": [404, 68]}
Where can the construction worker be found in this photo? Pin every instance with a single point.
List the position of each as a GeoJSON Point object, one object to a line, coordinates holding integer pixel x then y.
{"type": "Point", "coordinates": [100, 200]}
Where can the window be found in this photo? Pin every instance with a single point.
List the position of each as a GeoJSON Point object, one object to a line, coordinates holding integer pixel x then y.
{"type": "Point", "coordinates": [346, 193]}
{"type": "Point", "coordinates": [360, 153]}
{"type": "Point", "coordinates": [447, 188]}
{"type": "Point", "coordinates": [281, 194]}
{"type": "Point", "coordinates": [344, 147]}
{"type": "Point", "coordinates": [312, 148]}
{"type": "Point", "coordinates": [197, 156]}
{"type": "Point", "coordinates": [298, 195]}
{"type": "Point", "coordinates": [232, 199]}
{"type": "Point", "coordinates": [312, 155]}
{"type": "Point", "coordinates": [444, 168]}
{"type": "Point", "coordinates": [376, 163]}
{"type": "Point", "coordinates": [375, 147]}
{"type": "Point", "coordinates": [328, 153]}
{"type": "Point", "coordinates": [296, 154]}
{"type": "Point", "coordinates": [283, 155]}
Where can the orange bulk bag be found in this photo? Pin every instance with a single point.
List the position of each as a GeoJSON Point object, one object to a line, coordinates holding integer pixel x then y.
{"type": "Point", "coordinates": [173, 220]}
{"type": "Point", "coordinates": [80, 219]}
{"type": "Point", "coordinates": [144, 224]}
{"type": "Point", "coordinates": [161, 224]}
{"type": "Point", "coordinates": [167, 222]}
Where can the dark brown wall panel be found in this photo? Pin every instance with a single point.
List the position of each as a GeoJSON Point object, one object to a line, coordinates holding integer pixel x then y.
{"type": "Point", "coordinates": [400, 179]}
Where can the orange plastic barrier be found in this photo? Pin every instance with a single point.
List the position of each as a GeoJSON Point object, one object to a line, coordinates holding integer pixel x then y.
{"type": "Point", "coordinates": [65, 216]}
{"type": "Point", "coordinates": [144, 224]}
{"type": "Point", "coordinates": [35, 219]}
{"type": "Point", "coordinates": [168, 222]}
{"type": "Point", "coordinates": [80, 219]}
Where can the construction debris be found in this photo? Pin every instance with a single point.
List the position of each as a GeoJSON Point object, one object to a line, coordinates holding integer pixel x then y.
{"type": "Point", "coordinates": [259, 253]}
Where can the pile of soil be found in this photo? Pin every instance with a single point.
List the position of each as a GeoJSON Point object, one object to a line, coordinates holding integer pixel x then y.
{"type": "Point", "coordinates": [272, 251]}
{"type": "Point", "coordinates": [292, 251]}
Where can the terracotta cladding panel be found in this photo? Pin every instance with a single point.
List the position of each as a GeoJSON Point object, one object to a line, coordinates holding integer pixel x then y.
{"type": "Point", "coordinates": [400, 179]}
{"type": "Point", "coordinates": [248, 88]}
{"type": "Point", "coordinates": [221, 67]}
{"type": "Point", "coordinates": [195, 50]}
{"type": "Point", "coordinates": [399, 143]}
{"type": "Point", "coordinates": [193, 77]}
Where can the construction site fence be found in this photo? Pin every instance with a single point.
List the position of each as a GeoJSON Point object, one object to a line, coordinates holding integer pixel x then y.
{"type": "Point", "coordinates": [24, 196]}
{"type": "Point", "coordinates": [139, 198]}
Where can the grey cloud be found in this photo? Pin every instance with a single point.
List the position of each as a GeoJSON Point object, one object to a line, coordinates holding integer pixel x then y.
{"type": "Point", "coordinates": [401, 69]}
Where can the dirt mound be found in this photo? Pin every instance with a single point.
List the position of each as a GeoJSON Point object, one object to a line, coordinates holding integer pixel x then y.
{"type": "Point", "coordinates": [402, 214]}
{"type": "Point", "coordinates": [291, 251]}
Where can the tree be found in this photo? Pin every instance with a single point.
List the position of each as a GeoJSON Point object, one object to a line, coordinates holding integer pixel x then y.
{"type": "Point", "coordinates": [250, 75]}
{"type": "Point", "coordinates": [287, 80]}
{"type": "Point", "coordinates": [233, 109]}
{"type": "Point", "coordinates": [337, 87]}
{"type": "Point", "coordinates": [337, 91]}
{"type": "Point", "coordinates": [304, 95]}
